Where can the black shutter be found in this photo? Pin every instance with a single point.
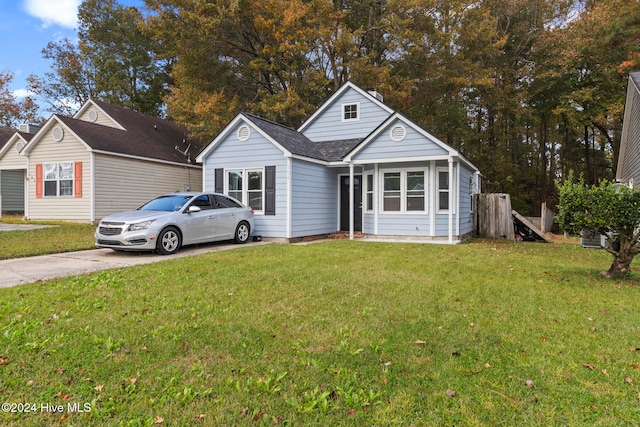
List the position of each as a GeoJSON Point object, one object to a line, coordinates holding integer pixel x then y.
{"type": "Point", "coordinates": [219, 181]}
{"type": "Point", "coordinates": [270, 190]}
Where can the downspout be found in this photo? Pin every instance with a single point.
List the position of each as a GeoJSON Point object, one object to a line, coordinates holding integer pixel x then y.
{"type": "Point", "coordinates": [289, 195]}
{"type": "Point", "coordinates": [457, 187]}
{"type": "Point", "coordinates": [92, 187]}
{"type": "Point", "coordinates": [451, 199]}
{"type": "Point", "coordinates": [376, 207]}
{"type": "Point", "coordinates": [351, 207]}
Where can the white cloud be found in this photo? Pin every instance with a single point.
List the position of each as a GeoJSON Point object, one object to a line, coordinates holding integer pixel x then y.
{"type": "Point", "coordinates": [22, 93]}
{"type": "Point", "coordinates": [59, 12]}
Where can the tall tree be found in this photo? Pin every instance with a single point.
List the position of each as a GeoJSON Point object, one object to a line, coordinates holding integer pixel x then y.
{"type": "Point", "coordinates": [113, 61]}
{"type": "Point", "coordinates": [13, 111]}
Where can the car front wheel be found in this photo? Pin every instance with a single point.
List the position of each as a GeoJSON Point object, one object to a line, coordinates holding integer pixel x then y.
{"type": "Point", "coordinates": [242, 232]}
{"type": "Point", "coordinates": [168, 241]}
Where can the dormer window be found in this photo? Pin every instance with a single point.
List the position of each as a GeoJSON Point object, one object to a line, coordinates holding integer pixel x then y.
{"type": "Point", "coordinates": [350, 112]}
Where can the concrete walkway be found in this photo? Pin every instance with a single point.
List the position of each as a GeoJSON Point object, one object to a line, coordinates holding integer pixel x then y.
{"type": "Point", "coordinates": [18, 271]}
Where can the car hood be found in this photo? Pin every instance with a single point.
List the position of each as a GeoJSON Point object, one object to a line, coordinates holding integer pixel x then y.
{"type": "Point", "coordinates": [135, 216]}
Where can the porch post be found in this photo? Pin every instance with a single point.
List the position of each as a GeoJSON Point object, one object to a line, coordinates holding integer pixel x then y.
{"type": "Point", "coordinates": [450, 200]}
{"type": "Point", "coordinates": [351, 207]}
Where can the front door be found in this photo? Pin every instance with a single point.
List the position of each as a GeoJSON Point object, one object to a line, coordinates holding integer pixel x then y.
{"type": "Point", "coordinates": [357, 203]}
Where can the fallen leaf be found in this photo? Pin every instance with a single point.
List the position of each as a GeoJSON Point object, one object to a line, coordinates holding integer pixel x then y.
{"type": "Point", "coordinates": [628, 380]}
{"type": "Point", "coordinates": [635, 366]}
{"type": "Point", "coordinates": [200, 416]}
{"type": "Point", "coordinates": [60, 370]}
{"type": "Point", "coordinates": [278, 419]}
{"type": "Point", "coordinates": [99, 387]}
{"type": "Point", "coordinates": [386, 363]}
{"type": "Point", "coordinates": [133, 381]}
{"type": "Point", "coordinates": [184, 345]}
{"type": "Point", "coordinates": [528, 383]}
{"type": "Point", "coordinates": [351, 412]}
{"type": "Point", "coordinates": [604, 371]}
{"type": "Point", "coordinates": [603, 311]}
{"type": "Point", "coordinates": [588, 366]}
{"type": "Point", "coordinates": [158, 420]}
{"type": "Point", "coordinates": [450, 393]}
{"type": "Point", "coordinates": [245, 410]}
{"type": "Point", "coordinates": [420, 342]}
{"type": "Point", "coordinates": [259, 416]}
{"type": "Point", "coordinates": [4, 360]}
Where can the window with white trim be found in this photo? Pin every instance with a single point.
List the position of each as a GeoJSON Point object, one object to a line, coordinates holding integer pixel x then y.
{"type": "Point", "coordinates": [247, 186]}
{"type": "Point", "coordinates": [58, 179]}
{"type": "Point", "coordinates": [350, 112]}
{"type": "Point", "coordinates": [404, 190]}
{"type": "Point", "coordinates": [368, 191]}
{"type": "Point", "coordinates": [443, 183]}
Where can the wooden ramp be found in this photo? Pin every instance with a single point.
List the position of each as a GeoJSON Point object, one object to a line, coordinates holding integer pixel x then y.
{"type": "Point", "coordinates": [522, 221]}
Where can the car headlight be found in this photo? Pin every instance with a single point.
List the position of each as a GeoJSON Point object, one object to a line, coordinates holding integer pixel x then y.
{"type": "Point", "coordinates": [139, 226]}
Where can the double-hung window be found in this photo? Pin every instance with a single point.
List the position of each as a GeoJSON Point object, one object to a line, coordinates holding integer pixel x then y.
{"type": "Point", "coordinates": [368, 181]}
{"type": "Point", "coordinates": [247, 186]}
{"type": "Point", "coordinates": [58, 179]}
{"type": "Point", "coordinates": [443, 189]}
{"type": "Point", "coordinates": [404, 191]}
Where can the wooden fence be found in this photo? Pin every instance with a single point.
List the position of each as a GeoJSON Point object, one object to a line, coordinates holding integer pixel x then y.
{"type": "Point", "coordinates": [493, 216]}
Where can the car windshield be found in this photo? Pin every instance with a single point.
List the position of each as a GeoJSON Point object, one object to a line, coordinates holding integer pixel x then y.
{"type": "Point", "coordinates": [169, 203]}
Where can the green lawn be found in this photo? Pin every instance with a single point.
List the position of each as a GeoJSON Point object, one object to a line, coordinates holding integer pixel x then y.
{"type": "Point", "coordinates": [58, 237]}
{"type": "Point", "coordinates": [334, 333]}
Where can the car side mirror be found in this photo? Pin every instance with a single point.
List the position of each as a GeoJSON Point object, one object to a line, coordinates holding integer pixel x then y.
{"type": "Point", "coordinates": [193, 208]}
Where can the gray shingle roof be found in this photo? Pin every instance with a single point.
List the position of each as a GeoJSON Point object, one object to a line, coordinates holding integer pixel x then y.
{"type": "Point", "coordinates": [145, 136]}
{"type": "Point", "coordinates": [298, 144]}
{"type": "Point", "coordinates": [5, 135]}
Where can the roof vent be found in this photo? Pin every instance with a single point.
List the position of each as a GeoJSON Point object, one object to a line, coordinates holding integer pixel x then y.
{"type": "Point", "coordinates": [244, 133]}
{"type": "Point", "coordinates": [93, 115]}
{"type": "Point", "coordinates": [375, 94]}
{"type": "Point", "coordinates": [58, 134]}
{"type": "Point", "coordinates": [398, 133]}
{"type": "Point", "coordinates": [29, 128]}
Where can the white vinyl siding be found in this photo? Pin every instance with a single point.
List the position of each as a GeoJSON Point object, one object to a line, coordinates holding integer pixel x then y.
{"type": "Point", "coordinates": [11, 159]}
{"type": "Point", "coordinates": [65, 208]}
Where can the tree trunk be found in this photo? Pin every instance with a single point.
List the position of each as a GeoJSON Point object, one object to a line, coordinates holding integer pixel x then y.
{"type": "Point", "coordinates": [622, 256]}
{"type": "Point", "coordinates": [620, 266]}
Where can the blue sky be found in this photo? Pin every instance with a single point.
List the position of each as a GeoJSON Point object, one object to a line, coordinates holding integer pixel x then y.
{"type": "Point", "coordinates": [26, 26]}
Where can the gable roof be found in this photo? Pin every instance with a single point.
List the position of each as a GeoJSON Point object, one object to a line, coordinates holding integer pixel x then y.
{"type": "Point", "coordinates": [5, 135]}
{"type": "Point", "coordinates": [345, 87]}
{"type": "Point", "coordinates": [294, 143]}
{"type": "Point", "coordinates": [139, 135]}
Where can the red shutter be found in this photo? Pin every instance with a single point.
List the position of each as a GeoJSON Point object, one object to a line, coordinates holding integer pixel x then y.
{"type": "Point", "coordinates": [39, 180]}
{"type": "Point", "coordinates": [77, 179]}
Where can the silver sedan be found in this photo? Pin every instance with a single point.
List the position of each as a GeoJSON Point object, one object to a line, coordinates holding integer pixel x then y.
{"type": "Point", "coordinates": [170, 221]}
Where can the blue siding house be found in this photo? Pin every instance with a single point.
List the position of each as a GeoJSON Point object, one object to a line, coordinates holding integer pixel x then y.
{"type": "Point", "coordinates": [354, 166]}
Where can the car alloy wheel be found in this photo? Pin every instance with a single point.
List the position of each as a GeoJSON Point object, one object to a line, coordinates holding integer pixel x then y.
{"type": "Point", "coordinates": [168, 241]}
{"type": "Point", "coordinates": [242, 232]}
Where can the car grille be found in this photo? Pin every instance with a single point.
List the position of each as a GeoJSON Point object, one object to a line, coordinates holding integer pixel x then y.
{"type": "Point", "coordinates": [111, 228]}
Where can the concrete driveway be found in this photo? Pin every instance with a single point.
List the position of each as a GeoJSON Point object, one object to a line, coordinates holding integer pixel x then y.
{"type": "Point", "coordinates": [19, 271]}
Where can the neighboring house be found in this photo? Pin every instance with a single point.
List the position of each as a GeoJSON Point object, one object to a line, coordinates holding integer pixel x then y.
{"type": "Point", "coordinates": [13, 168]}
{"type": "Point", "coordinates": [628, 170]}
{"type": "Point", "coordinates": [103, 160]}
{"type": "Point", "coordinates": [405, 182]}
